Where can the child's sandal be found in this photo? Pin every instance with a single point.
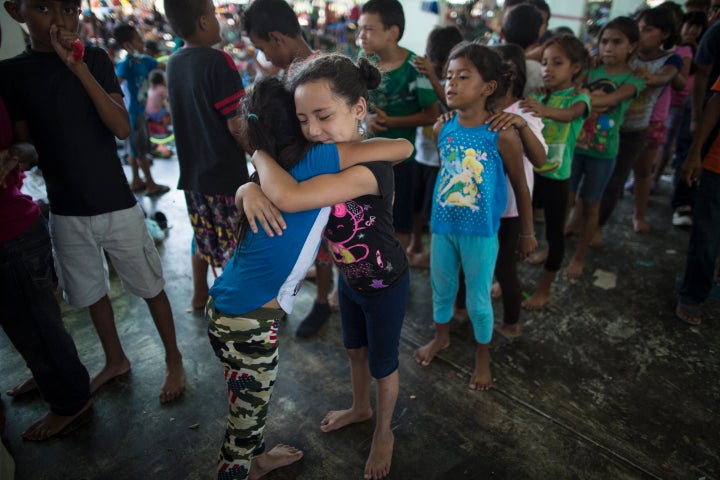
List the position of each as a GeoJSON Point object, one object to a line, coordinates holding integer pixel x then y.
{"type": "Point", "coordinates": [689, 314]}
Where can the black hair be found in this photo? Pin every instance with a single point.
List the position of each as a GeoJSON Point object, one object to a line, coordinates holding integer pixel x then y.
{"type": "Point", "coordinates": [151, 46]}
{"type": "Point", "coordinates": [696, 18]}
{"type": "Point", "coordinates": [625, 25]}
{"type": "Point", "coordinates": [124, 33]}
{"type": "Point", "coordinates": [663, 19]}
{"type": "Point", "coordinates": [677, 12]}
{"type": "Point", "coordinates": [157, 77]}
{"type": "Point", "coordinates": [390, 11]}
{"type": "Point", "coordinates": [563, 30]}
{"type": "Point", "coordinates": [522, 24]}
{"type": "Point", "coordinates": [265, 16]}
{"type": "Point", "coordinates": [270, 124]}
{"type": "Point", "coordinates": [541, 5]}
{"type": "Point", "coordinates": [574, 49]}
{"type": "Point", "coordinates": [512, 3]}
{"type": "Point", "coordinates": [347, 80]}
{"type": "Point", "coordinates": [439, 43]}
{"type": "Point", "coordinates": [703, 5]}
{"type": "Point", "coordinates": [514, 56]}
{"type": "Point", "coordinates": [488, 63]}
{"type": "Point", "coordinates": [183, 15]}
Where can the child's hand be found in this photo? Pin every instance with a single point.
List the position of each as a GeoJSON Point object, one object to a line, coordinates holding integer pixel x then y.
{"type": "Point", "coordinates": [505, 120]}
{"type": "Point", "coordinates": [62, 41]}
{"type": "Point", "coordinates": [424, 66]}
{"type": "Point", "coordinates": [528, 244]}
{"type": "Point", "coordinates": [377, 122]}
{"type": "Point", "coordinates": [641, 72]}
{"type": "Point", "coordinates": [259, 208]}
{"type": "Point", "coordinates": [446, 117]}
{"type": "Point", "coordinates": [536, 108]}
{"type": "Point", "coordinates": [691, 168]}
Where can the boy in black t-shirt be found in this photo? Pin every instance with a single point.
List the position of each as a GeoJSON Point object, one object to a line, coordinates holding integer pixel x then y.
{"type": "Point", "coordinates": [205, 90]}
{"type": "Point", "coordinates": [71, 110]}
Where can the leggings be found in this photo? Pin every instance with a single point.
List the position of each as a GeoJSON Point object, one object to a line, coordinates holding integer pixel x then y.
{"type": "Point", "coordinates": [506, 269]}
{"type": "Point", "coordinates": [247, 348]}
{"type": "Point", "coordinates": [554, 197]}
{"type": "Point", "coordinates": [631, 144]}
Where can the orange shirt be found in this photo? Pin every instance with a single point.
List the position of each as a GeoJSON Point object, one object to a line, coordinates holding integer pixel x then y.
{"type": "Point", "coordinates": [712, 159]}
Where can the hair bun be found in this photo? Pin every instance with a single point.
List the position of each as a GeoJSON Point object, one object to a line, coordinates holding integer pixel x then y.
{"type": "Point", "coordinates": [369, 73]}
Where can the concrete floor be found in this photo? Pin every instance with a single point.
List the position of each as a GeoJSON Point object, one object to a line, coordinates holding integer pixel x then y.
{"type": "Point", "coordinates": [603, 384]}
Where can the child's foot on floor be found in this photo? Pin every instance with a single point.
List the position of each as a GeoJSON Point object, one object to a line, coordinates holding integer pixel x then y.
{"type": "Point", "coordinates": [380, 458]}
{"type": "Point", "coordinates": [27, 386]}
{"type": "Point", "coordinates": [108, 373]}
{"type": "Point", "coordinates": [425, 354]}
{"type": "Point", "coordinates": [199, 300]}
{"type": "Point", "coordinates": [537, 301]}
{"type": "Point", "coordinates": [137, 185]}
{"type": "Point", "coordinates": [280, 456]}
{"type": "Point", "coordinates": [481, 380]}
{"type": "Point", "coordinates": [538, 257]}
{"type": "Point", "coordinates": [509, 330]}
{"type": "Point", "coordinates": [156, 190]}
{"type": "Point", "coordinates": [174, 384]}
{"type": "Point", "coordinates": [597, 240]}
{"type": "Point", "coordinates": [337, 419]}
{"type": "Point", "coordinates": [496, 290]}
{"type": "Point", "coordinates": [574, 270]}
{"type": "Point", "coordinates": [52, 424]}
{"type": "Point", "coordinates": [640, 225]}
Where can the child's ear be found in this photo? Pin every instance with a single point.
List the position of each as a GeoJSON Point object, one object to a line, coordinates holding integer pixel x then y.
{"type": "Point", "coordinates": [395, 31]}
{"type": "Point", "coordinates": [277, 37]}
{"type": "Point", "coordinates": [360, 108]}
{"type": "Point", "coordinates": [490, 88]}
{"type": "Point", "coordinates": [13, 9]}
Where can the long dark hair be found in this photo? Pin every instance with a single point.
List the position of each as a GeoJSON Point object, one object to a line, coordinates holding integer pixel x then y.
{"type": "Point", "coordinates": [270, 124]}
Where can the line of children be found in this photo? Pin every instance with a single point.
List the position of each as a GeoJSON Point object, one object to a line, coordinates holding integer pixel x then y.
{"type": "Point", "coordinates": [243, 322]}
{"type": "Point", "coordinates": [469, 199]}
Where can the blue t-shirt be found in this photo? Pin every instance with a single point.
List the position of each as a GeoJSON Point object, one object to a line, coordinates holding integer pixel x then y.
{"type": "Point", "coordinates": [135, 82]}
{"type": "Point", "coordinates": [264, 268]}
{"type": "Point", "coordinates": [470, 191]}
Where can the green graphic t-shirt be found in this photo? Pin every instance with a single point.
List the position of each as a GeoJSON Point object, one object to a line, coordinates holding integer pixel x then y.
{"type": "Point", "coordinates": [600, 134]}
{"type": "Point", "coordinates": [560, 137]}
{"type": "Point", "coordinates": [403, 91]}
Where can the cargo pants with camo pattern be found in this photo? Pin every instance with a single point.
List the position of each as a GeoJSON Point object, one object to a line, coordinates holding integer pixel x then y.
{"type": "Point", "coordinates": [247, 348]}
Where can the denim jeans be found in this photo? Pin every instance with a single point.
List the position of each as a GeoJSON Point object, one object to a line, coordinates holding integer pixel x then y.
{"type": "Point", "coordinates": [704, 241]}
{"type": "Point", "coordinates": [31, 319]}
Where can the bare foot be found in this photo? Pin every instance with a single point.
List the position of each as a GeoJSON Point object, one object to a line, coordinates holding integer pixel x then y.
{"type": "Point", "coordinates": [419, 260]}
{"type": "Point", "coordinates": [380, 458]}
{"type": "Point", "coordinates": [425, 354]}
{"type": "Point", "coordinates": [199, 300]}
{"type": "Point", "coordinates": [496, 290]}
{"type": "Point", "coordinates": [538, 257]}
{"type": "Point", "coordinates": [27, 386]}
{"type": "Point", "coordinates": [640, 225]}
{"type": "Point", "coordinates": [536, 301]}
{"type": "Point", "coordinates": [597, 240]}
{"type": "Point", "coordinates": [174, 384]}
{"type": "Point", "coordinates": [280, 456]}
{"type": "Point", "coordinates": [481, 379]}
{"type": "Point", "coordinates": [51, 424]}
{"type": "Point", "coordinates": [572, 229]}
{"type": "Point", "coordinates": [574, 270]}
{"type": "Point", "coordinates": [108, 373]}
{"type": "Point", "coordinates": [137, 185]}
{"type": "Point", "coordinates": [509, 331]}
{"type": "Point", "coordinates": [337, 419]}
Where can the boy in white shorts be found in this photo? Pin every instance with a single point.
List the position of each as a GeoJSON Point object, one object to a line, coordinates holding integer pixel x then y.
{"type": "Point", "coordinates": [71, 108]}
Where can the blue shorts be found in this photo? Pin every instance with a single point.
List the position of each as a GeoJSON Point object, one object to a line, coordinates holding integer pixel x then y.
{"type": "Point", "coordinates": [590, 176]}
{"type": "Point", "coordinates": [374, 321]}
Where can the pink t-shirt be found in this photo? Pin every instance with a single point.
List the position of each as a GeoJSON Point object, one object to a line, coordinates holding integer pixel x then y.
{"type": "Point", "coordinates": [17, 211]}
{"type": "Point", "coordinates": [157, 94]}
{"type": "Point", "coordinates": [536, 126]}
{"type": "Point", "coordinates": [677, 97]}
{"type": "Point", "coordinates": [662, 106]}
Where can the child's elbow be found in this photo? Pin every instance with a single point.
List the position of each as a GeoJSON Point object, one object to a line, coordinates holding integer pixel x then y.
{"type": "Point", "coordinates": [122, 131]}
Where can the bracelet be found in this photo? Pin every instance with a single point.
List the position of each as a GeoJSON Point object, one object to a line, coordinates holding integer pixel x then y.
{"type": "Point", "coordinates": [526, 237]}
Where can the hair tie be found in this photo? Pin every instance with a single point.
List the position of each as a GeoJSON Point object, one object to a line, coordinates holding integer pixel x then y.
{"type": "Point", "coordinates": [252, 115]}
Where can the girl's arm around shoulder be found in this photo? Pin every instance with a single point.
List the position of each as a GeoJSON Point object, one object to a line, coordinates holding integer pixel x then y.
{"type": "Point", "coordinates": [601, 100]}
{"type": "Point", "coordinates": [375, 149]}
{"type": "Point", "coordinates": [660, 78]}
{"type": "Point", "coordinates": [561, 115]}
{"type": "Point", "coordinates": [289, 195]}
{"type": "Point", "coordinates": [510, 149]}
{"type": "Point", "coordinates": [534, 147]}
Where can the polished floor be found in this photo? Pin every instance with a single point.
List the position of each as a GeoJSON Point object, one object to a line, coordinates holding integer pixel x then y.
{"type": "Point", "coordinates": [605, 383]}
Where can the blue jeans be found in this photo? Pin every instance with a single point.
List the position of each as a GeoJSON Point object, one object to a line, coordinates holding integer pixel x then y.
{"type": "Point", "coordinates": [31, 319]}
{"type": "Point", "coordinates": [704, 241]}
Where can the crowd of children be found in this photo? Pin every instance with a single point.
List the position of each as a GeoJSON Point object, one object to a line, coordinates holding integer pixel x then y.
{"type": "Point", "coordinates": [536, 122]}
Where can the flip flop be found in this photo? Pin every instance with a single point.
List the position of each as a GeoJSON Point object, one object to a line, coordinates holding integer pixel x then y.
{"type": "Point", "coordinates": [689, 314]}
{"type": "Point", "coordinates": [162, 189]}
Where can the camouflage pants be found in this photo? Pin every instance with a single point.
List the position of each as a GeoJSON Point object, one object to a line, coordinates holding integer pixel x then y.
{"type": "Point", "coordinates": [247, 348]}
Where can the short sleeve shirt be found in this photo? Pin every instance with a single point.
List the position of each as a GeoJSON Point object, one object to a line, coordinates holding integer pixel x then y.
{"type": "Point", "coordinates": [135, 82]}
{"type": "Point", "coordinates": [402, 91]}
{"type": "Point", "coordinates": [637, 116]}
{"type": "Point", "coordinates": [600, 133]}
{"type": "Point", "coordinates": [708, 52]}
{"type": "Point", "coordinates": [205, 91]}
{"type": "Point", "coordinates": [712, 159]}
{"type": "Point", "coordinates": [561, 136]}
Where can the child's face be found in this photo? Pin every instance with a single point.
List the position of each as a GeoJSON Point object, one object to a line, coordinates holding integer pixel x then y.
{"type": "Point", "coordinates": [464, 85]}
{"type": "Point", "coordinates": [372, 33]}
{"type": "Point", "coordinates": [650, 37]}
{"type": "Point", "coordinates": [40, 15]}
{"type": "Point", "coordinates": [324, 116]}
{"type": "Point", "coordinates": [135, 45]}
{"type": "Point", "coordinates": [614, 47]}
{"type": "Point", "coordinates": [690, 33]}
{"type": "Point", "coordinates": [558, 70]}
